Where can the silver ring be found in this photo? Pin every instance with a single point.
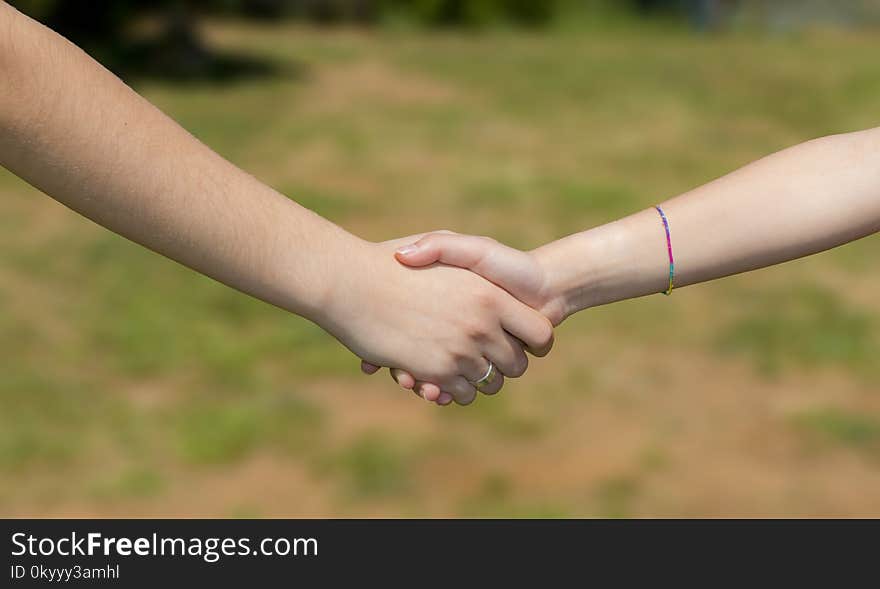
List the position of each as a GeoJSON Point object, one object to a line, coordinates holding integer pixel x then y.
{"type": "Point", "coordinates": [488, 378]}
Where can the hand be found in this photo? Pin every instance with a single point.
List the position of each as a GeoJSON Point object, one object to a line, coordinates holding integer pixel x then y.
{"type": "Point", "coordinates": [441, 324]}
{"type": "Point", "coordinates": [519, 273]}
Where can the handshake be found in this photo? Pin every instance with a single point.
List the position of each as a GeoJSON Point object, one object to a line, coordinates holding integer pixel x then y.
{"type": "Point", "coordinates": [454, 315]}
{"type": "Point", "coordinates": [451, 315]}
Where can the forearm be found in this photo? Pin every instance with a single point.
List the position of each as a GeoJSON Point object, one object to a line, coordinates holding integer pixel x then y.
{"type": "Point", "coordinates": [797, 202]}
{"type": "Point", "coordinates": [76, 132]}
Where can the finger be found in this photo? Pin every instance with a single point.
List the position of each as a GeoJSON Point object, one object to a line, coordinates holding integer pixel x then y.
{"type": "Point", "coordinates": [428, 391]}
{"type": "Point", "coordinates": [402, 241]}
{"type": "Point", "coordinates": [368, 368]}
{"type": "Point", "coordinates": [461, 390]}
{"type": "Point", "coordinates": [507, 353]}
{"type": "Point", "coordinates": [527, 325]}
{"type": "Point", "coordinates": [515, 271]}
{"type": "Point", "coordinates": [489, 388]}
{"type": "Point", "coordinates": [403, 378]}
{"type": "Point", "coordinates": [464, 251]}
{"type": "Point", "coordinates": [444, 399]}
{"type": "Point", "coordinates": [493, 387]}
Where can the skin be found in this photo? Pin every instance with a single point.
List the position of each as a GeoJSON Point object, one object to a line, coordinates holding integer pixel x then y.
{"type": "Point", "coordinates": [76, 132]}
{"type": "Point", "coordinates": [800, 201]}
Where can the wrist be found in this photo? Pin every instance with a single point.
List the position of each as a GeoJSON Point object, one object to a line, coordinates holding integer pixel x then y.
{"type": "Point", "coordinates": [613, 262]}
{"type": "Point", "coordinates": [575, 268]}
{"type": "Point", "coordinates": [341, 290]}
{"type": "Point", "coordinates": [318, 282]}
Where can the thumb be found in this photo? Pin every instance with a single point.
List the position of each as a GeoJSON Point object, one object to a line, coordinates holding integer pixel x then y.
{"type": "Point", "coordinates": [513, 270]}
{"type": "Point", "coordinates": [463, 251]}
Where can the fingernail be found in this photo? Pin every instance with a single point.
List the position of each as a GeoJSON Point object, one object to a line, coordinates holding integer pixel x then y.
{"type": "Point", "coordinates": [408, 249]}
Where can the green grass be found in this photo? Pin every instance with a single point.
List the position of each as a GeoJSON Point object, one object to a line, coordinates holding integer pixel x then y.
{"type": "Point", "coordinates": [573, 203]}
{"type": "Point", "coordinates": [615, 496]}
{"type": "Point", "coordinates": [803, 327]}
{"type": "Point", "coordinates": [330, 205]}
{"type": "Point", "coordinates": [490, 193]}
{"type": "Point", "coordinates": [372, 466]}
{"type": "Point", "coordinates": [44, 421]}
{"type": "Point", "coordinates": [844, 428]}
{"type": "Point", "coordinates": [221, 431]}
{"type": "Point", "coordinates": [122, 368]}
{"type": "Point", "coordinates": [138, 482]}
{"type": "Point", "coordinates": [496, 498]}
{"type": "Point", "coordinates": [498, 417]}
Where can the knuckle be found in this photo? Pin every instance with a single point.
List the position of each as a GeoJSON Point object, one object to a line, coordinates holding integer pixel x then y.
{"type": "Point", "coordinates": [477, 330]}
{"type": "Point", "coordinates": [545, 337]}
{"type": "Point", "coordinates": [486, 298]}
{"type": "Point", "coordinates": [458, 357]}
{"type": "Point", "coordinates": [474, 320]}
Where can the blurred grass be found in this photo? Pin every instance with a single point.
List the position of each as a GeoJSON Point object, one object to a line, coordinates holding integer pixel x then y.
{"type": "Point", "coordinates": [132, 385]}
{"type": "Point", "coordinates": [616, 496]}
{"type": "Point", "coordinates": [212, 431]}
{"type": "Point", "coordinates": [370, 466]}
{"type": "Point", "coordinates": [495, 498]}
{"type": "Point", "coordinates": [844, 428]}
{"type": "Point", "coordinates": [804, 326]}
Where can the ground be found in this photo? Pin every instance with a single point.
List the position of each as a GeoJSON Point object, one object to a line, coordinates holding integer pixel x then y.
{"type": "Point", "coordinates": [132, 386]}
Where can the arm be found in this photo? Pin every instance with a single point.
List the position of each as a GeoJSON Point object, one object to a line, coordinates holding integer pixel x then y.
{"type": "Point", "coordinates": [800, 201]}
{"type": "Point", "coordinates": [803, 200]}
{"type": "Point", "coordinates": [73, 130]}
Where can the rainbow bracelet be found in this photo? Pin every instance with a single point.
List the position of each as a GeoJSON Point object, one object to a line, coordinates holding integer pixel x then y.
{"type": "Point", "coordinates": [669, 249]}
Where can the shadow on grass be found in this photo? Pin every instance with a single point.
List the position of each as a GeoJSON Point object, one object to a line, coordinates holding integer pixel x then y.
{"type": "Point", "coordinates": [156, 61]}
{"type": "Point", "coordinates": [172, 48]}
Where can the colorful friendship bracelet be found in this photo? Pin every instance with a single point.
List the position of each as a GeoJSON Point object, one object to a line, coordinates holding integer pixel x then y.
{"type": "Point", "coordinates": [669, 249]}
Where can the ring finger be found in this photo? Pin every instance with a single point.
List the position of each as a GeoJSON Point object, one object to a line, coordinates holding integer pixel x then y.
{"type": "Point", "coordinates": [495, 385]}
{"type": "Point", "coordinates": [508, 355]}
{"type": "Point", "coordinates": [489, 380]}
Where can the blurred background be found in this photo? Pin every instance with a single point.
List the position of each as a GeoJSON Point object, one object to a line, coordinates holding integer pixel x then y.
{"type": "Point", "coordinates": [132, 386]}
